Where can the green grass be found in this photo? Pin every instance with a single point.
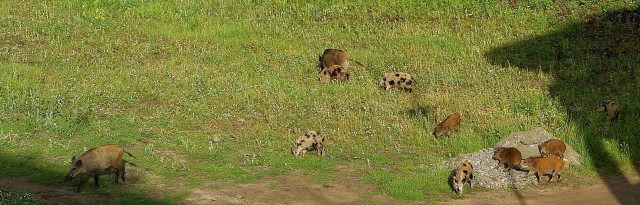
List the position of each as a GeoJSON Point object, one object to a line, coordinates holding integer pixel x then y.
{"type": "Point", "coordinates": [165, 78]}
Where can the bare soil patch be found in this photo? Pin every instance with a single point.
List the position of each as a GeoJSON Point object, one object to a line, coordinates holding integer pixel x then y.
{"type": "Point", "coordinates": [294, 188]}
{"type": "Point", "coordinates": [47, 194]}
{"type": "Point", "coordinates": [617, 190]}
{"type": "Point", "coordinates": [346, 188]}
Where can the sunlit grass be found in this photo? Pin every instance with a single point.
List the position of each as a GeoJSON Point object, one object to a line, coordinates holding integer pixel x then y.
{"type": "Point", "coordinates": [164, 79]}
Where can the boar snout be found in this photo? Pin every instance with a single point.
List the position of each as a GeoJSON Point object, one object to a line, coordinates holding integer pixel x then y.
{"type": "Point", "coordinates": [458, 190]}
{"type": "Point", "coordinates": [68, 178]}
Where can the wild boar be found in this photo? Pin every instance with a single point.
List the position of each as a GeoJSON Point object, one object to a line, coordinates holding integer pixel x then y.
{"type": "Point", "coordinates": [309, 141]}
{"type": "Point", "coordinates": [397, 80]}
{"type": "Point", "coordinates": [334, 72]}
{"type": "Point", "coordinates": [611, 109]}
{"type": "Point", "coordinates": [450, 123]}
{"type": "Point", "coordinates": [509, 157]}
{"type": "Point", "coordinates": [543, 165]}
{"type": "Point", "coordinates": [335, 57]}
{"type": "Point", "coordinates": [97, 161]}
{"type": "Point", "coordinates": [552, 147]}
{"type": "Point", "coordinates": [463, 174]}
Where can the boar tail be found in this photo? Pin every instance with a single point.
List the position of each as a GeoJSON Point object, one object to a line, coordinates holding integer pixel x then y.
{"type": "Point", "coordinates": [357, 62]}
{"type": "Point", "coordinates": [129, 153]}
{"type": "Point", "coordinates": [127, 162]}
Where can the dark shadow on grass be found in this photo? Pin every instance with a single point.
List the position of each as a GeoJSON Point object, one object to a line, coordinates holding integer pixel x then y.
{"type": "Point", "coordinates": [22, 174]}
{"type": "Point", "coordinates": [422, 112]}
{"type": "Point", "coordinates": [591, 61]}
{"type": "Point", "coordinates": [419, 111]}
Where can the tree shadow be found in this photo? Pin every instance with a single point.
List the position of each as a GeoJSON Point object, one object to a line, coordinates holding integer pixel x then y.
{"type": "Point", "coordinates": [591, 61]}
{"type": "Point", "coordinates": [22, 174]}
{"type": "Point", "coordinates": [515, 189]}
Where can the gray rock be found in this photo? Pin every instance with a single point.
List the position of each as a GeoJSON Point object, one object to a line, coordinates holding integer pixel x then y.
{"type": "Point", "coordinates": [489, 174]}
{"type": "Point", "coordinates": [527, 143]}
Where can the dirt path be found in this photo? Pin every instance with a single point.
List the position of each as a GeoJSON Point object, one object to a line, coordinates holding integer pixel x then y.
{"type": "Point", "coordinates": [297, 188]}
{"type": "Point", "coordinates": [628, 189]}
{"type": "Point", "coordinates": [294, 188]}
{"type": "Point", "coordinates": [49, 195]}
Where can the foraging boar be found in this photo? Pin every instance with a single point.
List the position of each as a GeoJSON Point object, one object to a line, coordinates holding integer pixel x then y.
{"type": "Point", "coordinates": [450, 123]}
{"type": "Point", "coordinates": [335, 57]}
{"type": "Point", "coordinates": [397, 80]}
{"type": "Point", "coordinates": [509, 157]}
{"type": "Point", "coordinates": [463, 174]}
{"type": "Point", "coordinates": [552, 147]}
{"type": "Point", "coordinates": [97, 160]}
{"type": "Point", "coordinates": [611, 108]}
{"type": "Point", "coordinates": [543, 165]}
{"type": "Point", "coordinates": [335, 72]}
{"type": "Point", "coordinates": [307, 142]}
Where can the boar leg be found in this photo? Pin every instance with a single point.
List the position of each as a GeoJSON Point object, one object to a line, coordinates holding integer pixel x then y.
{"type": "Point", "coordinates": [83, 179]}
{"type": "Point", "coordinates": [122, 175]}
{"type": "Point", "coordinates": [320, 148]}
{"type": "Point", "coordinates": [555, 173]}
{"type": "Point", "coordinates": [470, 180]}
{"type": "Point", "coordinates": [500, 163]}
{"type": "Point", "coordinates": [96, 179]}
{"type": "Point", "coordinates": [537, 176]}
{"type": "Point", "coordinates": [117, 173]}
{"type": "Point", "coordinates": [509, 166]}
{"type": "Point", "coordinates": [559, 174]}
{"type": "Point", "coordinates": [531, 172]}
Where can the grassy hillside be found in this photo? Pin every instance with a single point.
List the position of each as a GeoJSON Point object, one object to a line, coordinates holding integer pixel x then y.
{"type": "Point", "coordinates": [164, 79]}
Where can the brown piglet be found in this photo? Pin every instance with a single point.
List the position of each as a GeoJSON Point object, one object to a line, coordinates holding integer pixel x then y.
{"type": "Point", "coordinates": [335, 57]}
{"type": "Point", "coordinates": [543, 165]}
{"type": "Point", "coordinates": [611, 108]}
{"type": "Point", "coordinates": [552, 147]}
{"type": "Point", "coordinates": [508, 157]}
{"type": "Point", "coordinates": [449, 124]}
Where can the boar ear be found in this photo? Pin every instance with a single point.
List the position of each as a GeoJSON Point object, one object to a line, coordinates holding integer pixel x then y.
{"type": "Point", "coordinates": [73, 158]}
{"type": "Point", "coordinates": [79, 163]}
